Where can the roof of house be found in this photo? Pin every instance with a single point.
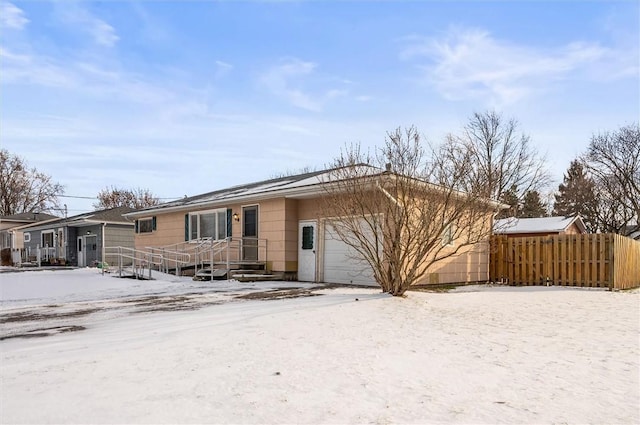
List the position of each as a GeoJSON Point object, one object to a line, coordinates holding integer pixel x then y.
{"type": "Point", "coordinates": [110, 215]}
{"type": "Point", "coordinates": [289, 185]}
{"type": "Point", "coordinates": [28, 217]}
{"type": "Point", "coordinates": [558, 224]}
{"type": "Point", "coordinates": [294, 186]}
{"type": "Point", "coordinates": [632, 231]}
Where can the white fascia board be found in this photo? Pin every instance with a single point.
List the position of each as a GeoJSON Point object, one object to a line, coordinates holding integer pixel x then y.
{"type": "Point", "coordinates": [121, 223]}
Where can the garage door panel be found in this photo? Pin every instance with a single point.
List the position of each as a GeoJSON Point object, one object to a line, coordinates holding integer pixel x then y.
{"type": "Point", "coordinates": [342, 264]}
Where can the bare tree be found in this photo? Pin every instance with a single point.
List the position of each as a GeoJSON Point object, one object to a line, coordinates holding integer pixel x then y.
{"type": "Point", "coordinates": [399, 209]}
{"type": "Point", "coordinates": [133, 198]}
{"type": "Point", "coordinates": [24, 189]}
{"type": "Point", "coordinates": [502, 157]}
{"type": "Point", "coordinates": [613, 160]}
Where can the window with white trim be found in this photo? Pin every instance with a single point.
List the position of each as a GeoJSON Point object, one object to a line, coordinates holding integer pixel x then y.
{"type": "Point", "coordinates": [27, 237]}
{"type": "Point", "coordinates": [208, 224]}
{"type": "Point", "coordinates": [448, 235]}
{"type": "Point", "coordinates": [47, 239]}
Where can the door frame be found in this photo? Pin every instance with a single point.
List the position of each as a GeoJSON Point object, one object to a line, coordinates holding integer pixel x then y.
{"type": "Point", "coordinates": [80, 246]}
{"type": "Point", "coordinates": [313, 274]}
{"type": "Point", "coordinates": [249, 251]}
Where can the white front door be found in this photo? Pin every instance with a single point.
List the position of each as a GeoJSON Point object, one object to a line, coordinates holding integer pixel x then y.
{"type": "Point", "coordinates": [80, 251]}
{"type": "Point", "coordinates": [307, 247]}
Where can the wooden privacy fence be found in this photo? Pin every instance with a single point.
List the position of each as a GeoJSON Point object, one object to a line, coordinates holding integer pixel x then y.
{"type": "Point", "coordinates": [594, 260]}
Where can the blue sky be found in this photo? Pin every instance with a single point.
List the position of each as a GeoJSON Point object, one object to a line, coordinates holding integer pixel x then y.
{"type": "Point", "coordinates": [187, 97]}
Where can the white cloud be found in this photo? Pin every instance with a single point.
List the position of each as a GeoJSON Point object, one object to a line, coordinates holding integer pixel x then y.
{"type": "Point", "coordinates": [82, 78]}
{"type": "Point", "coordinates": [291, 79]}
{"type": "Point", "coordinates": [102, 33]}
{"type": "Point", "coordinates": [222, 69]}
{"type": "Point", "coordinates": [471, 63]}
{"type": "Point", "coordinates": [12, 16]}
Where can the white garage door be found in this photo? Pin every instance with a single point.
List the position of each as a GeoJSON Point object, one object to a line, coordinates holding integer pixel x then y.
{"type": "Point", "coordinates": [342, 264]}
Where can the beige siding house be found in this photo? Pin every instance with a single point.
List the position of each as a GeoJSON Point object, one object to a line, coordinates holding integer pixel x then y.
{"type": "Point", "coordinates": [277, 223]}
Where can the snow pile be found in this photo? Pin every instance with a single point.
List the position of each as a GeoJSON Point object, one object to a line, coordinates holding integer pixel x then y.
{"type": "Point", "coordinates": [479, 355]}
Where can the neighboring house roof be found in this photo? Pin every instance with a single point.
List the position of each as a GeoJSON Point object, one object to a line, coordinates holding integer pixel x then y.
{"type": "Point", "coordinates": [513, 225]}
{"type": "Point", "coordinates": [632, 231]}
{"type": "Point", "coordinates": [24, 218]}
{"type": "Point", "coordinates": [295, 186]}
{"type": "Point", "coordinates": [111, 215]}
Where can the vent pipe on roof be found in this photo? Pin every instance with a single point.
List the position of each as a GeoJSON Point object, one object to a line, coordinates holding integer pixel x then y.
{"type": "Point", "coordinates": [387, 166]}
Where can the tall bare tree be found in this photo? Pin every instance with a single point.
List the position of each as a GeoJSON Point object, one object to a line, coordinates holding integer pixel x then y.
{"type": "Point", "coordinates": [112, 197]}
{"type": "Point", "coordinates": [502, 157]}
{"type": "Point", "coordinates": [24, 189]}
{"type": "Point", "coordinates": [613, 160]}
{"type": "Point", "coordinates": [400, 210]}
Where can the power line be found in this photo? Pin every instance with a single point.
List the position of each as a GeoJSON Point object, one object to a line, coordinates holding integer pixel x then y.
{"type": "Point", "coordinates": [95, 197]}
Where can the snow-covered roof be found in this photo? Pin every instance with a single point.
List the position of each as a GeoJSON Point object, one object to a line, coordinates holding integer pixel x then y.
{"type": "Point", "coordinates": [537, 225]}
{"type": "Point", "coordinates": [110, 215]}
{"type": "Point", "coordinates": [299, 184]}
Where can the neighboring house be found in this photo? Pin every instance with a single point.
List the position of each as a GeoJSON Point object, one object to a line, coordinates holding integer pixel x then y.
{"type": "Point", "coordinates": [542, 226]}
{"type": "Point", "coordinates": [277, 222]}
{"type": "Point", "coordinates": [8, 222]}
{"type": "Point", "coordinates": [78, 240]}
{"type": "Point", "coordinates": [632, 231]}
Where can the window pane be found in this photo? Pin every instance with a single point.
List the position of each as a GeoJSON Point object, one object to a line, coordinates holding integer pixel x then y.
{"type": "Point", "coordinates": [222, 224]}
{"type": "Point", "coordinates": [307, 237]}
{"type": "Point", "coordinates": [47, 239]}
{"type": "Point", "coordinates": [145, 226]}
{"type": "Point", "coordinates": [207, 226]}
{"type": "Point", "coordinates": [194, 227]}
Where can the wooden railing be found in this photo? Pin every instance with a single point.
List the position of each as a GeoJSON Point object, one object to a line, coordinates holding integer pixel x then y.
{"type": "Point", "coordinates": [592, 260]}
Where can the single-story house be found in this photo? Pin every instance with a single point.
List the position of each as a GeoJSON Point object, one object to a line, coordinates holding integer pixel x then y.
{"type": "Point", "coordinates": [542, 226]}
{"type": "Point", "coordinates": [8, 222]}
{"type": "Point", "coordinates": [78, 240]}
{"type": "Point", "coordinates": [278, 222]}
{"type": "Point", "coordinates": [10, 246]}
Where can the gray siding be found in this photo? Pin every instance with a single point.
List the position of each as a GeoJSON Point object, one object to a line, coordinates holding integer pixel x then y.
{"type": "Point", "coordinates": [116, 235]}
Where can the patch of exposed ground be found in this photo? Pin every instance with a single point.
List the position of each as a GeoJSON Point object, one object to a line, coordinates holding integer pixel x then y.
{"type": "Point", "coordinates": [279, 294]}
{"type": "Point", "coordinates": [28, 316]}
{"type": "Point", "coordinates": [42, 332]}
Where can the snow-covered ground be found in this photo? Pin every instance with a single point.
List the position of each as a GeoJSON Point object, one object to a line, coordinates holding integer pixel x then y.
{"type": "Point", "coordinates": [179, 351]}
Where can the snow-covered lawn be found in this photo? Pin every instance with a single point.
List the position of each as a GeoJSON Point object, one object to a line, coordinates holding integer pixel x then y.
{"type": "Point", "coordinates": [178, 351]}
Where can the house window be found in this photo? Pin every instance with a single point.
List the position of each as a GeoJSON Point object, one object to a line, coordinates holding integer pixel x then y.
{"type": "Point", "coordinates": [145, 225]}
{"type": "Point", "coordinates": [208, 224]}
{"type": "Point", "coordinates": [47, 239]}
{"type": "Point", "coordinates": [27, 237]}
{"type": "Point", "coordinates": [448, 235]}
{"type": "Point", "coordinates": [6, 240]}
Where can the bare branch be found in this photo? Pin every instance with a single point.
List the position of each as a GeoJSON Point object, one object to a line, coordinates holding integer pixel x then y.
{"type": "Point", "coordinates": [25, 190]}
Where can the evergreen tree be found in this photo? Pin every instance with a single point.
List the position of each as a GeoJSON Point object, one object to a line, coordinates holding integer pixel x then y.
{"type": "Point", "coordinates": [576, 195]}
{"type": "Point", "coordinates": [510, 197]}
{"type": "Point", "coordinates": [532, 205]}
